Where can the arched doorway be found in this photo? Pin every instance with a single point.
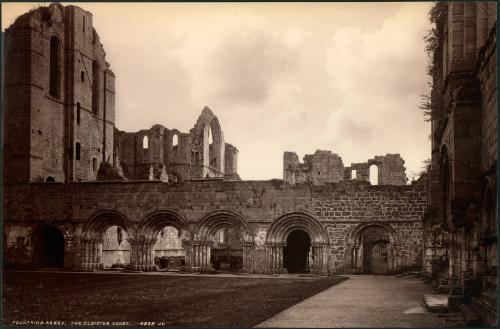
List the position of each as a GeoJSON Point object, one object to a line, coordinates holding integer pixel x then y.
{"type": "Point", "coordinates": [297, 242]}
{"type": "Point", "coordinates": [296, 252]}
{"type": "Point", "coordinates": [115, 251]}
{"type": "Point", "coordinates": [226, 252]}
{"type": "Point", "coordinates": [222, 242]}
{"type": "Point", "coordinates": [168, 249]}
{"type": "Point", "coordinates": [373, 250]}
{"type": "Point", "coordinates": [48, 247]}
{"type": "Point", "coordinates": [163, 240]}
{"type": "Point", "coordinates": [104, 241]}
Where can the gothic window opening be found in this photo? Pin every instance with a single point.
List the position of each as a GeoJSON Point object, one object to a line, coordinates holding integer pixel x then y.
{"type": "Point", "coordinates": [55, 67]}
{"type": "Point", "coordinates": [175, 143]}
{"type": "Point", "coordinates": [353, 174]}
{"type": "Point", "coordinates": [145, 143]}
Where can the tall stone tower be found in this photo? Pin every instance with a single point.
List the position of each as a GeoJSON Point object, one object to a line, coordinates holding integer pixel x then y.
{"type": "Point", "coordinates": [59, 97]}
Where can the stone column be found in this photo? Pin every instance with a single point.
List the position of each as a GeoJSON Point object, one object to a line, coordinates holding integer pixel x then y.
{"type": "Point", "coordinates": [320, 258]}
{"type": "Point", "coordinates": [99, 264]}
{"type": "Point", "coordinates": [248, 254]}
{"type": "Point", "coordinates": [274, 251]}
{"type": "Point", "coordinates": [134, 254]}
{"type": "Point", "coordinates": [188, 248]}
{"type": "Point", "coordinates": [201, 256]}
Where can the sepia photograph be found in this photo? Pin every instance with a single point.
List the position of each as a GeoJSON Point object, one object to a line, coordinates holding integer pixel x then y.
{"type": "Point", "coordinates": [249, 164]}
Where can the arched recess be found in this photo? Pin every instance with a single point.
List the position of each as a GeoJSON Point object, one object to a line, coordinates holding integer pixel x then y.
{"type": "Point", "coordinates": [48, 247]}
{"type": "Point", "coordinates": [162, 241]}
{"type": "Point", "coordinates": [374, 248]}
{"type": "Point", "coordinates": [233, 252]}
{"type": "Point", "coordinates": [98, 235]}
{"type": "Point", "coordinates": [278, 236]}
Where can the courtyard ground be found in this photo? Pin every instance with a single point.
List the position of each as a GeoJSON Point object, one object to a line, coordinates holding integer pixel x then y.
{"type": "Point", "coordinates": [160, 300]}
{"type": "Point", "coordinates": [366, 301]}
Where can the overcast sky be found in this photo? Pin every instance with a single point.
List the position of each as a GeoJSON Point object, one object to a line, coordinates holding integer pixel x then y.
{"type": "Point", "coordinates": [345, 77]}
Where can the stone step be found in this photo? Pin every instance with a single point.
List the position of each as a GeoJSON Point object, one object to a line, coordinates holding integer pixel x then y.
{"type": "Point", "coordinates": [436, 303]}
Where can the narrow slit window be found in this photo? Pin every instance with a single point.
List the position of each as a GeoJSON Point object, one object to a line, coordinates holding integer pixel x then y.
{"type": "Point", "coordinates": [77, 151]}
{"type": "Point", "coordinates": [78, 113]}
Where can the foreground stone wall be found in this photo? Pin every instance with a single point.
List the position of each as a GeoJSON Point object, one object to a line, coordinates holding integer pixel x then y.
{"type": "Point", "coordinates": [262, 212]}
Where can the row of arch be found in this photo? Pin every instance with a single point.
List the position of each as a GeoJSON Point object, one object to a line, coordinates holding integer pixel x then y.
{"type": "Point", "coordinates": [211, 222]}
{"type": "Point", "coordinates": [295, 242]}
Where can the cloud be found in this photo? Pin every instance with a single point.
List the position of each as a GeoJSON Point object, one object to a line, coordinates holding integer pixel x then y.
{"type": "Point", "coordinates": [344, 77]}
{"type": "Point", "coordinates": [245, 67]}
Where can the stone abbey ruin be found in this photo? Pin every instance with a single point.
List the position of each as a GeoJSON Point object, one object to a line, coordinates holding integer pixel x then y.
{"type": "Point", "coordinates": [80, 194]}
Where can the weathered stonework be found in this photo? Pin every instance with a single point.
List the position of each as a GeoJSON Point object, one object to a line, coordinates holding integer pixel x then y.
{"type": "Point", "coordinates": [325, 166]}
{"type": "Point", "coordinates": [59, 97]}
{"type": "Point", "coordinates": [145, 154]}
{"type": "Point", "coordinates": [460, 227]}
{"type": "Point", "coordinates": [262, 212]}
{"type": "Point", "coordinates": [163, 197]}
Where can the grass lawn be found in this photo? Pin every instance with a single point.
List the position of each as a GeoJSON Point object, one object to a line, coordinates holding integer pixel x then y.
{"type": "Point", "coordinates": [164, 300]}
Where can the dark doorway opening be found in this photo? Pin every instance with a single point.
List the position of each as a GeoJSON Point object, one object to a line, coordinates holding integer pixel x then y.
{"type": "Point", "coordinates": [296, 252]}
{"type": "Point", "coordinates": [375, 242]}
{"type": "Point", "coordinates": [48, 247]}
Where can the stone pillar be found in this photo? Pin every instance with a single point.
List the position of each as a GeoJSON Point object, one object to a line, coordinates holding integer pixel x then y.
{"type": "Point", "coordinates": [248, 256]}
{"type": "Point", "coordinates": [188, 259]}
{"type": "Point", "coordinates": [274, 252]}
{"type": "Point", "coordinates": [134, 254]}
{"type": "Point", "coordinates": [91, 254]}
{"type": "Point", "coordinates": [201, 256]}
{"type": "Point", "coordinates": [320, 258]}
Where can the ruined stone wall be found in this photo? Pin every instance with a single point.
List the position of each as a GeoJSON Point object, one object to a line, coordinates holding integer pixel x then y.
{"type": "Point", "coordinates": [324, 166]}
{"type": "Point", "coordinates": [46, 117]}
{"type": "Point", "coordinates": [319, 168]}
{"type": "Point", "coordinates": [146, 153]}
{"type": "Point", "coordinates": [340, 209]}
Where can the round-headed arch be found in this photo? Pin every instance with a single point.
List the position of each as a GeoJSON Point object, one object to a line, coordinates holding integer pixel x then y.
{"type": "Point", "coordinates": [219, 219]}
{"type": "Point", "coordinates": [100, 221]}
{"type": "Point", "coordinates": [154, 222]}
{"type": "Point", "coordinates": [357, 232]}
{"type": "Point", "coordinates": [282, 226]}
